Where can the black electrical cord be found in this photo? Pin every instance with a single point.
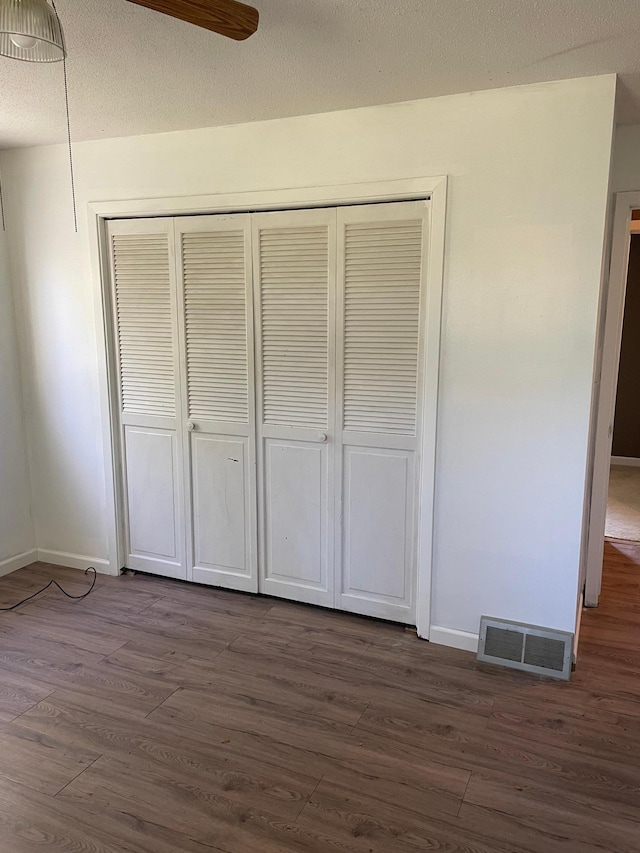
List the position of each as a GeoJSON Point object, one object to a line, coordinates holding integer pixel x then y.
{"type": "Point", "coordinates": [55, 583]}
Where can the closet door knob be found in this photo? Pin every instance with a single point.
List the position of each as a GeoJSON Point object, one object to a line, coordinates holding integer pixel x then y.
{"type": "Point", "coordinates": [322, 436]}
{"type": "Point", "coordinates": [191, 426]}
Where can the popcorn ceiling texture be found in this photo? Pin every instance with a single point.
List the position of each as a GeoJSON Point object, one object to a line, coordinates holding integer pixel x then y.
{"type": "Point", "coordinates": [134, 71]}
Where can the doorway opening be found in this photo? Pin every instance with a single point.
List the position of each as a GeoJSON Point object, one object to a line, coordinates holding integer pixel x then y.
{"type": "Point", "coordinates": [623, 503]}
{"type": "Point", "coordinates": [333, 196]}
{"type": "Point", "coordinates": [614, 529]}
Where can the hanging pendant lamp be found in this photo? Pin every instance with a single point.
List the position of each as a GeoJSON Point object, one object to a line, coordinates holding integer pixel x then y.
{"type": "Point", "coordinates": [30, 30]}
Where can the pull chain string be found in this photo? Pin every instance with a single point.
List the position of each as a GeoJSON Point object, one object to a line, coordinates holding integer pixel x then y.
{"type": "Point", "coordinates": [4, 227]}
{"type": "Point", "coordinates": [73, 185]}
{"type": "Point", "coordinates": [66, 102]}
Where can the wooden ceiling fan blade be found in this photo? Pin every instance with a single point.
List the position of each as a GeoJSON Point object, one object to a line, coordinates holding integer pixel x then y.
{"type": "Point", "coordinates": [227, 17]}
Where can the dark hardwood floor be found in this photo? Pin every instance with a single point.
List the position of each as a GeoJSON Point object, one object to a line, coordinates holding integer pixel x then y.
{"type": "Point", "coordinates": [166, 718]}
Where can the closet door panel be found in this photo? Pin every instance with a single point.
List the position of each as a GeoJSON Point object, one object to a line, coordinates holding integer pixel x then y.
{"type": "Point", "coordinates": [381, 270]}
{"type": "Point", "coordinates": [220, 502]}
{"type": "Point", "coordinates": [295, 514]}
{"type": "Point", "coordinates": [146, 356]}
{"type": "Point", "coordinates": [294, 281]}
{"type": "Point", "coordinates": [151, 464]}
{"type": "Point", "coordinates": [379, 489]}
{"type": "Point", "coordinates": [214, 275]}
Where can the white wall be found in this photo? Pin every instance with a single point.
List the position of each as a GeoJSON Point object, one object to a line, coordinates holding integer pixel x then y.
{"type": "Point", "coordinates": [529, 170]}
{"type": "Point", "coordinates": [17, 539]}
{"type": "Point", "coordinates": [625, 169]}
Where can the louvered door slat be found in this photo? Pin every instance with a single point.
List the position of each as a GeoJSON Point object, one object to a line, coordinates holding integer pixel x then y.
{"type": "Point", "coordinates": [216, 328]}
{"type": "Point", "coordinates": [383, 264]}
{"type": "Point", "coordinates": [293, 291]}
{"type": "Point", "coordinates": [144, 323]}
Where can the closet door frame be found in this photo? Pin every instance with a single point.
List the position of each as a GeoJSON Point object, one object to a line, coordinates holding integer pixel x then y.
{"type": "Point", "coordinates": [433, 188]}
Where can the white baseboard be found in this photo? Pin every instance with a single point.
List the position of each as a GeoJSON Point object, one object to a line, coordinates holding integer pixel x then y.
{"type": "Point", "coordinates": [633, 461]}
{"type": "Point", "coordinates": [12, 564]}
{"type": "Point", "coordinates": [453, 638]}
{"type": "Point", "coordinates": [74, 561]}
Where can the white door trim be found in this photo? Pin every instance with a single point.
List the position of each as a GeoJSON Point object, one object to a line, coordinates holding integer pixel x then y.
{"type": "Point", "coordinates": [264, 200]}
{"type": "Point", "coordinates": [434, 188]}
{"type": "Point", "coordinates": [108, 390]}
{"type": "Point", "coordinates": [608, 382]}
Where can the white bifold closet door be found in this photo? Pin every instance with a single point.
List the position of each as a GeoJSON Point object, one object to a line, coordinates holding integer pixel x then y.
{"type": "Point", "coordinates": [338, 297]}
{"type": "Point", "coordinates": [148, 394]}
{"type": "Point", "coordinates": [381, 271]}
{"type": "Point", "coordinates": [294, 257]}
{"type": "Point", "coordinates": [216, 355]}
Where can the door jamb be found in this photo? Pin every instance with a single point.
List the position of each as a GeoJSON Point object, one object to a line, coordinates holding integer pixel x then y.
{"type": "Point", "coordinates": [607, 382]}
{"type": "Point", "coordinates": [433, 188]}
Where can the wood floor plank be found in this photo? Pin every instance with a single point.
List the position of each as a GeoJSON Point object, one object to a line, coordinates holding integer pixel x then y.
{"type": "Point", "coordinates": [39, 762]}
{"type": "Point", "coordinates": [600, 732]}
{"type": "Point", "coordinates": [160, 667]}
{"type": "Point", "coordinates": [45, 660]}
{"type": "Point", "coordinates": [235, 818]}
{"type": "Point", "coordinates": [291, 647]}
{"type": "Point", "coordinates": [416, 720]}
{"type": "Point", "coordinates": [61, 665]}
{"type": "Point", "coordinates": [238, 817]}
{"type": "Point", "coordinates": [19, 692]}
{"type": "Point", "coordinates": [292, 690]}
{"type": "Point", "coordinates": [165, 632]}
{"type": "Point", "coordinates": [190, 799]}
{"type": "Point", "coordinates": [39, 624]}
{"type": "Point", "coordinates": [238, 710]}
{"type": "Point", "coordinates": [215, 623]}
{"type": "Point", "coordinates": [320, 749]}
{"type": "Point", "coordinates": [362, 819]}
{"type": "Point", "coordinates": [570, 811]}
{"type": "Point", "coordinates": [108, 732]}
{"type": "Point", "coordinates": [31, 821]}
{"type": "Point", "coordinates": [564, 835]}
{"type": "Point", "coordinates": [420, 677]}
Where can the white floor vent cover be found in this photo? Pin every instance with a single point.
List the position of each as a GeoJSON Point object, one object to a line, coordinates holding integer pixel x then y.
{"type": "Point", "coordinates": [526, 647]}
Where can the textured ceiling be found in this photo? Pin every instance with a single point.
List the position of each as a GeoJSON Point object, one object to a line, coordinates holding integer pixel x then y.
{"type": "Point", "coordinates": [135, 71]}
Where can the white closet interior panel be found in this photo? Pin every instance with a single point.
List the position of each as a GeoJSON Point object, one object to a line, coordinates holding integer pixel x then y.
{"type": "Point", "coordinates": [144, 299]}
{"type": "Point", "coordinates": [381, 262]}
{"type": "Point", "coordinates": [294, 284]}
{"type": "Point", "coordinates": [214, 280]}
